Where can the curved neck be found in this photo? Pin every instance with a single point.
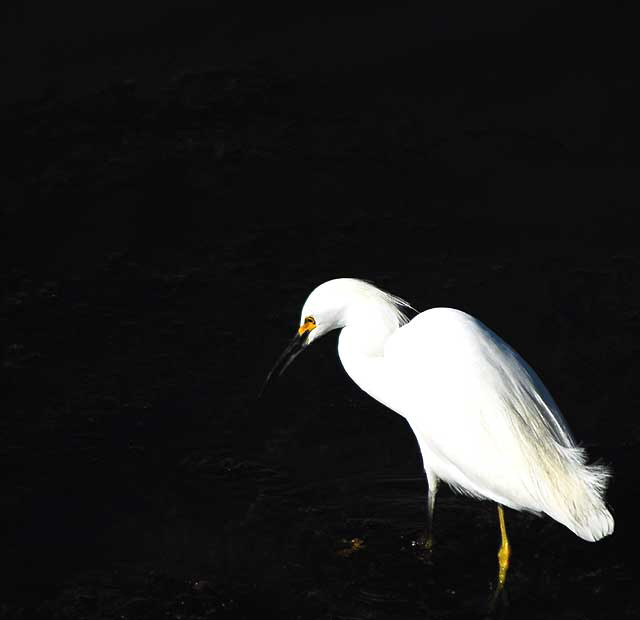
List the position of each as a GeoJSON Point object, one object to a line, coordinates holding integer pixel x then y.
{"type": "Point", "coordinates": [362, 355]}
{"type": "Point", "coordinates": [366, 329]}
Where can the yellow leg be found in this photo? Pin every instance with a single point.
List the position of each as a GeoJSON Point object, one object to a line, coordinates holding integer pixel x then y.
{"type": "Point", "coordinates": [504, 553]}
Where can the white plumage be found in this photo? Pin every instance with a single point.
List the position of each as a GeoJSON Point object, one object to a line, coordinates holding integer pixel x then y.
{"type": "Point", "coordinates": [484, 421]}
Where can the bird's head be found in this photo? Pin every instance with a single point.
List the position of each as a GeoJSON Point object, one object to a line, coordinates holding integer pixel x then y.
{"type": "Point", "coordinates": [333, 305]}
{"type": "Point", "coordinates": [326, 309]}
{"type": "Point", "coordinates": [323, 311]}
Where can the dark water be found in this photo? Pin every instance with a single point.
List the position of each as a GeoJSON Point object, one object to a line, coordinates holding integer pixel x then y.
{"type": "Point", "coordinates": [161, 236]}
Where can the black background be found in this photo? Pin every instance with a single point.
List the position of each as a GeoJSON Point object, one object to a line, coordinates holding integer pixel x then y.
{"type": "Point", "coordinates": [178, 179]}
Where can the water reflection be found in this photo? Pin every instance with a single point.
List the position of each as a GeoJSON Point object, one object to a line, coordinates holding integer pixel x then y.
{"type": "Point", "coordinates": [350, 544]}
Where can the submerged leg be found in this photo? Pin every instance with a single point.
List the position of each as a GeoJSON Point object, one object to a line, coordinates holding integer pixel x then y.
{"type": "Point", "coordinates": [431, 506]}
{"type": "Point", "coordinates": [504, 553]}
{"type": "Point", "coordinates": [425, 540]}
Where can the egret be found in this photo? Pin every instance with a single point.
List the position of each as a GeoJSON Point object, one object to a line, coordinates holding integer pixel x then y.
{"type": "Point", "coordinates": [484, 421]}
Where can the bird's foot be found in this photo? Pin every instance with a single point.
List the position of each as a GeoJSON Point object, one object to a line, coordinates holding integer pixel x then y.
{"type": "Point", "coordinates": [503, 563]}
{"type": "Point", "coordinates": [499, 597]}
{"type": "Point", "coordinates": [422, 546]}
{"type": "Point", "coordinates": [423, 542]}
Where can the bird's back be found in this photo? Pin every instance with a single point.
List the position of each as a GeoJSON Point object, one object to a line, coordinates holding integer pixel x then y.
{"type": "Point", "coordinates": [487, 425]}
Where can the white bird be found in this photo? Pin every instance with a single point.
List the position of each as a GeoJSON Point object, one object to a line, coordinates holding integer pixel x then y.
{"type": "Point", "coordinates": [485, 423]}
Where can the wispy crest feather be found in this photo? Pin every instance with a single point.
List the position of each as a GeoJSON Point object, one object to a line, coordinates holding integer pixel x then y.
{"type": "Point", "coordinates": [397, 303]}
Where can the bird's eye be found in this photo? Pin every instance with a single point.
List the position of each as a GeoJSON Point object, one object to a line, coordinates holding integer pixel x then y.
{"type": "Point", "coordinates": [310, 319]}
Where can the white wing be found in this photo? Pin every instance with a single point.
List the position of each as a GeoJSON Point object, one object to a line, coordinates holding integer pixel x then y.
{"type": "Point", "coordinates": [487, 425]}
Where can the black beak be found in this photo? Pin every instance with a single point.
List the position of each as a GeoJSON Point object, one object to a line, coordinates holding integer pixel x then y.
{"type": "Point", "coordinates": [296, 346]}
